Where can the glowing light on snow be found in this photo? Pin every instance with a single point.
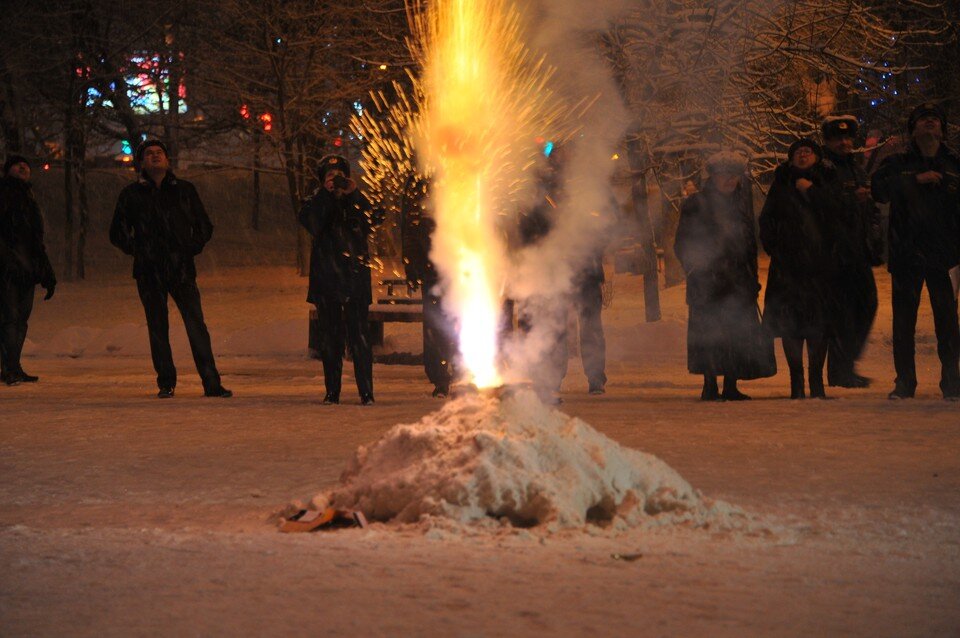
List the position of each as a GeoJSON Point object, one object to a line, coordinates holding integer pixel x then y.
{"type": "Point", "coordinates": [483, 100]}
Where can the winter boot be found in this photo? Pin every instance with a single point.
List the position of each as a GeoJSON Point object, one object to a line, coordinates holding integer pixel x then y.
{"type": "Point", "coordinates": [796, 385]}
{"type": "Point", "coordinates": [816, 386]}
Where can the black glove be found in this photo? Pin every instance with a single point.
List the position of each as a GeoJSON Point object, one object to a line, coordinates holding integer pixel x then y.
{"type": "Point", "coordinates": [50, 286]}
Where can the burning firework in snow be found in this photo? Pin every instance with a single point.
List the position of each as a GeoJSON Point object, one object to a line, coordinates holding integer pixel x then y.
{"type": "Point", "coordinates": [481, 101]}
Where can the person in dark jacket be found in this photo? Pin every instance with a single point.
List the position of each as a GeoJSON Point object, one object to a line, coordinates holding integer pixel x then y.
{"type": "Point", "coordinates": [23, 264]}
{"type": "Point", "coordinates": [340, 220]}
{"type": "Point", "coordinates": [859, 248]}
{"type": "Point", "coordinates": [439, 334]}
{"type": "Point", "coordinates": [716, 243]}
{"type": "Point", "coordinates": [922, 186]}
{"type": "Point", "coordinates": [161, 222]}
{"type": "Point", "coordinates": [796, 229]}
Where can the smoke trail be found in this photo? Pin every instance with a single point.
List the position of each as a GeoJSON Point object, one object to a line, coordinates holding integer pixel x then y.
{"type": "Point", "coordinates": [566, 32]}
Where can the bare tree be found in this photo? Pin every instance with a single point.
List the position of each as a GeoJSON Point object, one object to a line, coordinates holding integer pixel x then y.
{"type": "Point", "coordinates": [299, 70]}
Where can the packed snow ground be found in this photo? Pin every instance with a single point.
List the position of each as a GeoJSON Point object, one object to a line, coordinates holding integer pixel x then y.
{"type": "Point", "coordinates": [124, 515]}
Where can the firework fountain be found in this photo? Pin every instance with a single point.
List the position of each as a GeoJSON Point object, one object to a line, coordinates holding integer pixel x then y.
{"type": "Point", "coordinates": [479, 102]}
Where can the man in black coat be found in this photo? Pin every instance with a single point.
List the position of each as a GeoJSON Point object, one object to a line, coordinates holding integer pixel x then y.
{"type": "Point", "coordinates": [161, 222]}
{"type": "Point", "coordinates": [340, 220]}
{"type": "Point", "coordinates": [922, 186]}
{"type": "Point", "coordinates": [439, 335]}
{"type": "Point", "coordinates": [858, 249]}
{"type": "Point", "coordinates": [23, 264]}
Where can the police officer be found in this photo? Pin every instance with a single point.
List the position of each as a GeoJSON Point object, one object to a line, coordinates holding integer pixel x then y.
{"type": "Point", "coordinates": [857, 247]}
{"type": "Point", "coordinates": [922, 185]}
{"type": "Point", "coordinates": [340, 220]}
{"type": "Point", "coordinates": [161, 222]}
{"type": "Point", "coordinates": [23, 264]}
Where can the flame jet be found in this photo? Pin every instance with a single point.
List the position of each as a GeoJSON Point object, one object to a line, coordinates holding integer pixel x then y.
{"type": "Point", "coordinates": [484, 100]}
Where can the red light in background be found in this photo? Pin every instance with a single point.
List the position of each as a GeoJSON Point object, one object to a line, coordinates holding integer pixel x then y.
{"type": "Point", "coordinates": [46, 167]}
{"type": "Point", "coordinates": [267, 120]}
{"type": "Point", "coordinates": [245, 112]}
{"type": "Point", "coordinates": [338, 141]}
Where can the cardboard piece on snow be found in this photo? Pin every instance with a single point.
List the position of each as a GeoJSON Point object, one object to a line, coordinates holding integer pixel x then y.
{"type": "Point", "coordinates": [329, 518]}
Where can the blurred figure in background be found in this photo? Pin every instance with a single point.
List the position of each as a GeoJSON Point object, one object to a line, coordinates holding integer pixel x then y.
{"type": "Point", "coordinates": [717, 245]}
{"type": "Point", "coordinates": [546, 315]}
{"type": "Point", "coordinates": [922, 185]}
{"type": "Point", "coordinates": [439, 335]}
{"type": "Point", "coordinates": [24, 263]}
{"type": "Point", "coordinates": [796, 229]}
{"type": "Point", "coordinates": [858, 248]}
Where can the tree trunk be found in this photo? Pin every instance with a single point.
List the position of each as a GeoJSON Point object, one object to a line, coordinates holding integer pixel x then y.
{"type": "Point", "coordinates": [255, 213]}
{"type": "Point", "coordinates": [75, 183]}
{"type": "Point", "coordinates": [69, 195]}
{"type": "Point", "coordinates": [11, 122]}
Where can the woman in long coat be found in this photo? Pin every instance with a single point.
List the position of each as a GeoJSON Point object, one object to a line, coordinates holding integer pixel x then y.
{"type": "Point", "coordinates": [716, 244]}
{"type": "Point", "coordinates": [797, 228]}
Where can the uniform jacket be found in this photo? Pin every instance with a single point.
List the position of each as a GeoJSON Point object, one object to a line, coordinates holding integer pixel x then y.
{"type": "Point", "coordinates": [163, 228]}
{"type": "Point", "coordinates": [861, 240]}
{"type": "Point", "coordinates": [23, 256]}
{"type": "Point", "coordinates": [340, 253]}
{"type": "Point", "coordinates": [924, 218]}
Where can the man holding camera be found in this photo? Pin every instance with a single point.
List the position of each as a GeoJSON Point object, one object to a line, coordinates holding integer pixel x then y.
{"type": "Point", "coordinates": [340, 221]}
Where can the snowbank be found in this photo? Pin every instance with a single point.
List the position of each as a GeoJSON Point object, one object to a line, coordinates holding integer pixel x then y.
{"type": "Point", "coordinates": [515, 460]}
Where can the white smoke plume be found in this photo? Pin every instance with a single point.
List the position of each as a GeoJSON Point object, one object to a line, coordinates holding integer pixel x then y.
{"type": "Point", "coordinates": [566, 33]}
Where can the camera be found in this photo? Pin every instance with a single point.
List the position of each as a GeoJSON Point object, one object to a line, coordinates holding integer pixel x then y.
{"type": "Point", "coordinates": [341, 182]}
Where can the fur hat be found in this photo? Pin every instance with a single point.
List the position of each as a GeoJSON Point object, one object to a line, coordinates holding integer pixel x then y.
{"type": "Point", "coordinates": [14, 159]}
{"type": "Point", "coordinates": [927, 108]}
{"type": "Point", "coordinates": [144, 145]}
{"type": "Point", "coordinates": [333, 162]}
{"type": "Point", "coordinates": [839, 126]}
{"type": "Point", "coordinates": [805, 141]}
{"type": "Point", "coordinates": [731, 162]}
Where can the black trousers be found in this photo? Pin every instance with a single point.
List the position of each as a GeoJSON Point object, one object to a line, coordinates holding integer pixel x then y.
{"type": "Point", "coordinates": [593, 345]}
{"type": "Point", "coordinates": [186, 295]}
{"type": "Point", "coordinates": [853, 319]}
{"type": "Point", "coordinates": [439, 342]}
{"type": "Point", "coordinates": [546, 318]}
{"type": "Point", "coordinates": [906, 301]}
{"type": "Point", "coordinates": [345, 322]}
{"type": "Point", "coordinates": [16, 304]}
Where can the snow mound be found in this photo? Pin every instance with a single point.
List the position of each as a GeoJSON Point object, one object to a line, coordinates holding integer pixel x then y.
{"type": "Point", "coordinates": [515, 460]}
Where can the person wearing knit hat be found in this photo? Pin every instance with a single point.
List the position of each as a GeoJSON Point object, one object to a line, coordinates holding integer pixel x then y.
{"type": "Point", "coordinates": [805, 143]}
{"type": "Point", "coordinates": [922, 186]}
{"type": "Point", "coordinates": [13, 161]}
{"type": "Point", "coordinates": [161, 222]}
{"type": "Point", "coordinates": [341, 220]}
{"type": "Point", "coordinates": [24, 263]}
{"type": "Point", "coordinates": [796, 229]}
{"type": "Point", "coordinates": [142, 148]}
{"type": "Point", "coordinates": [717, 246]}
{"type": "Point", "coordinates": [857, 247]}
{"type": "Point", "coordinates": [927, 109]}
{"type": "Point", "coordinates": [729, 162]}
